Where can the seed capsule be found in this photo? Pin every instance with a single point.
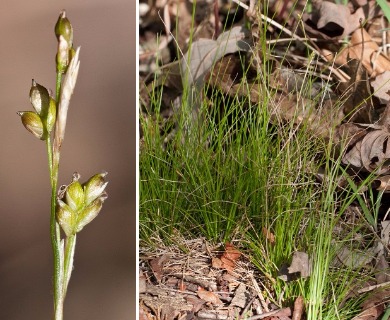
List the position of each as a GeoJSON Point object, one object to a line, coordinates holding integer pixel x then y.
{"type": "Point", "coordinates": [64, 28]}
{"type": "Point", "coordinates": [40, 99]}
{"type": "Point", "coordinates": [33, 123]}
{"type": "Point", "coordinates": [75, 196]}
{"type": "Point", "coordinates": [94, 187]}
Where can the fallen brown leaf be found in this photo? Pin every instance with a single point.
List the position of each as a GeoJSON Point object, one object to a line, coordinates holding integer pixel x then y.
{"type": "Point", "coordinates": [239, 298]}
{"type": "Point", "coordinates": [335, 20]}
{"type": "Point", "coordinates": [268, 235]}
{"type": "Point", "coordinates": [300, 263]}
{"type": "Point", "coordinates": [228, 258]}
{"type": "Point", "coordinates": [375, 150]}
{"type": "Point", "coordinates": [231, 252]}
{"type": "Point", "coordinates": [373, 307]}
{"type": "Point", "coordinates": [381, 86]}
{"type": "Point", "coordinates": [227, 264]}
{"type": "Point", "coordinates": [364, 49]}
{"type": "Point", "coordinates": [382, 183]}
{"type": "Point", "coordinates": [209, 296]}
{"type": "Point", "coordinates": [371, 152]}
{"type": "Point", "coordinates": [205, 52]}
{"type": "Point", "coordinates": [195, 301]}
{"type": "Point", "coordinates": [216, 263]}
{"type": "Point", "coordinates": [157, 266]}
{"type": "Point", "coordinates": [299, 306]}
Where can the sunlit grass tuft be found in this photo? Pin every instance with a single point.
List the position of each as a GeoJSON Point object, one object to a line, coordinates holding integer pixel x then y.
{"type": "Point", "coordinates": [239, 174]}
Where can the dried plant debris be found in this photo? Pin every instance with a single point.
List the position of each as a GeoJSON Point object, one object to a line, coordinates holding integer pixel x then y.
{"type": "Point", "coordinates": [189, 285]}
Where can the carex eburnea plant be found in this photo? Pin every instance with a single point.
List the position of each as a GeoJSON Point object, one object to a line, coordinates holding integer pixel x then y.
{"type": "Point", "coordinates": [75, 205]}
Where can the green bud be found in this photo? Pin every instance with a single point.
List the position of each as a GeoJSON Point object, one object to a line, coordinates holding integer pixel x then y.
{"type": "Point", "coordinates": [40, 99]}
{"type": "Point", "coordinates": [51, 116]}
{"type": "Point", "coordinates": [89, 213]}
{"type": "Point", "coordinates": [33, 123]}
{"type": "Point", "coordinates": [64, 28]}
{"type": "Point", "coordinates": [64, 34]}
{"type": "Point", "coordinates": [94, 187]}
{"type": "Point", "coordinates": [66, 217]}
{"type": "Point", "coordinates": [75, 196]}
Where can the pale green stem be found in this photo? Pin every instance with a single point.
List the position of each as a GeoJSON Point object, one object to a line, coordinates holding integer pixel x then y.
{"type": "Point", "coordinates": [63, 263]}
{"type": "Point", "coordinates": [58, 274]}
{"type": "Point", "coordinates": [70, 245]}
{"type": "Point", "coordinates": [55, 235]}
{"type": "Point", "coordinates": [59, 303]}
{"type": "Point", "coordinates": [58, 86]}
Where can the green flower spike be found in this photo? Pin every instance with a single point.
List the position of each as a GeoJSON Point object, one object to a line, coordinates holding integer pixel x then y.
{"type": "Point", "coordinates": [78, 205]}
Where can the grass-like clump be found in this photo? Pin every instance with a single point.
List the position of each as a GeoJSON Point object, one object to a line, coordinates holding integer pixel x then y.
{"type": "Point", "coordinates": [234, 172]}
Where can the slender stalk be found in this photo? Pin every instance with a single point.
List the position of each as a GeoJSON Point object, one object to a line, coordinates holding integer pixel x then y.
{"type": "Point", "coordinates": [59, 303]}
{"type": "Point", "coordinates": [54, 227]}
{"type": "Point", "coordinates": [70, 245]}
{"type": "Point", "coordinates": [54, 233]}
{"type": "Point", "coordinates": [58, 86]}
{"type": "Point", "coordinates": [64, 90]}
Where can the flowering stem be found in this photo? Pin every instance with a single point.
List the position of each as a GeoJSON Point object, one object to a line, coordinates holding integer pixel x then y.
{"type": "Point", "coordinates": [55, 236]}
{"type": "Point", "coordinates": [58, 274]}
{"type": "Point", "coordinates": [77, 204]}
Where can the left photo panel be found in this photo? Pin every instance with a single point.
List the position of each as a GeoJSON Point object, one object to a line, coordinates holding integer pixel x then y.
{"type": "Point", "coordinates": [68, 160]}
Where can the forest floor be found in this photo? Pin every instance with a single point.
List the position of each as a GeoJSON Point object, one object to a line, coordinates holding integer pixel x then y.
{"type": "Point", "coordinates": [264, 160]}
